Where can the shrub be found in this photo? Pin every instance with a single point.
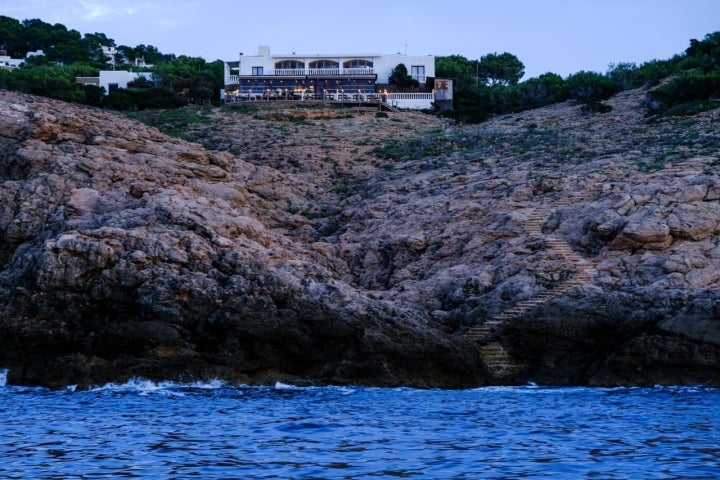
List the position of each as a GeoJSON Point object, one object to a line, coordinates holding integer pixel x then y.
{"type": "Point", "coordinates": [690, 86]}
{"type": "Point", "coordinates": [400, 77]}
{"type": "Point", "coordinates": [596, 107]}
{"type": "Point", "coordinates": [589, 87]}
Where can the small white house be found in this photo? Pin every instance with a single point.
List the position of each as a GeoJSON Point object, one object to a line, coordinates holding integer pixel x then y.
{"type": "Point", "coordinates": [112, 80]}
{"type": "Point", "coordinates": [8, 62]}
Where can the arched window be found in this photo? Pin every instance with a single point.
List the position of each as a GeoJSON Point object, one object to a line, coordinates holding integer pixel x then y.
{"type": "Point", "coordinates": [358, 63]}
{"type": "Point", "coordinates": [324, 64]}
{"type": "Point", "coordinates": [289, 65]}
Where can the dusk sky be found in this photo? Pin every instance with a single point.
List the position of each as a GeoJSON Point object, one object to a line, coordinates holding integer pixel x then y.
{"type": "Point", "coordinates": [560, 36]}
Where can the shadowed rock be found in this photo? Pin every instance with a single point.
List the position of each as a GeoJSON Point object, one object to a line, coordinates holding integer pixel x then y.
{"type": "Point", "coordinates": [307, 253]}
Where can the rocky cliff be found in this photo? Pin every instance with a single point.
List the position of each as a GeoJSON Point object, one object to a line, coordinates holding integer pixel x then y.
{"type": "Point", "coordinates": [332, 246]}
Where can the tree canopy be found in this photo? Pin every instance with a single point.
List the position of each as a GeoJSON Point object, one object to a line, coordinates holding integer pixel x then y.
{"type": "Point", "coordinates": [68, 54]}
{"type": "Point", "coordinates": [400, 77]}
{"type": "Point", "coordinates": [487, 86]}
{"type": "Point", "coordinates": [503, 69]}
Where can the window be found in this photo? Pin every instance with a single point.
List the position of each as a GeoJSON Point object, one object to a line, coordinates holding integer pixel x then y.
{"type": "Point", "coordinates": [358, 63]}
{"type": "Point", "coordinates": [289, 65]}
{"type": "Point", "coordinates": [112, 87]}
{"type": "Point", "coordinates": [324, 64]}
{"type": "Point", "coordinates": [417, 72]}
{"type": "Point", "coordinates": [256, 71]}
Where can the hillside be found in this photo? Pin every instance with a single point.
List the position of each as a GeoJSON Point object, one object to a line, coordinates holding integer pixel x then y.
{"type": "Point", "coordinates": [330, 246]}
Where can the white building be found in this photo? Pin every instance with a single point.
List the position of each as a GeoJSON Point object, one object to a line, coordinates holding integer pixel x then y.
{"type": "Point", "coordinates": [7, 62]}
{"type": "Point", "coordinates": [110, 53]}
{"type": "Point", "coordinates": [112, 80]}
{"type": "Point", "coordinates": [337, 77]}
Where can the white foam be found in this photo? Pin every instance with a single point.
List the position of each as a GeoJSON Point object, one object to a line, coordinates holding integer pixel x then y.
{"type": "Point", "coordinates": [3, 376]}
{"type": "Point", "coordinates": [285, 386]}
{"type": "Point", "coordinates": [144, 387]}
{"type": "Point", "coordinates": [207, 385]}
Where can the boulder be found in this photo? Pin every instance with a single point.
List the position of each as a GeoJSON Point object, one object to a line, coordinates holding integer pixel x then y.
{"type": "Point", "coordinates": [694, 221]}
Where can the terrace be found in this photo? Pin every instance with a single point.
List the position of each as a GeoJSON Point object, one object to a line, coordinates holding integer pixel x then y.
{"type": "Point", "coordinates": [379, 99]}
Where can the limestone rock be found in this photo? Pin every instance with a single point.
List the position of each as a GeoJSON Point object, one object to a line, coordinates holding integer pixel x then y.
{"type": "Point", "coordinates": [695, 221]}
{"type": "Point", "coordinates": [305, 252]}
{"type": "Point", "coordinates": [650, 234]}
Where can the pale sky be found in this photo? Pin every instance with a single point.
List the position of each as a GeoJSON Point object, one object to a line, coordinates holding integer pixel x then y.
{"type": "Point", "coordinates": [559, 36]}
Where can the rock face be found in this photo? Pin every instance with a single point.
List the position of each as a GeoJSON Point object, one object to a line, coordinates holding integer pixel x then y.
{"type": "Point", "coordinates": [548, 246]}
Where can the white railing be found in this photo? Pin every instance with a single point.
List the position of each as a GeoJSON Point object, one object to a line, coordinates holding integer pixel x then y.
{"type": "Point", "coordinates": [410, 96]}
{"type": "Point", "coordinates": [412, 101]}
{"type": "Point", "coordinates": [288, 72]}
{"type": "Point", "coordinates": [301, 72]}
{"type": "Point", "coordinates": [324, 71]}
{"type": "Point", "coordinates": [358, 71]}
{"type": "Point", "coordinates": [351, 96]}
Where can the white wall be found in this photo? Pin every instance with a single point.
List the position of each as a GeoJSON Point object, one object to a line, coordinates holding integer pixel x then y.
{"type": "Point", "coordinates": [120, 77]}
{"type": "Point", "coordinates": [6, 61]}
{"type": "Point", "coordinates": [383, 64]}
{"type": "Point", "coordinates": [411, 101]}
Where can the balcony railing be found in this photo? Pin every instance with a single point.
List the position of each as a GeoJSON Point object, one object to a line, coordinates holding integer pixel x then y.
{"type": "Point", "coordinates": [312, 72]}
{"type": "Point", "coordinates": [288, 72]}
{"type": "Point", "coordinates": [323, 72]}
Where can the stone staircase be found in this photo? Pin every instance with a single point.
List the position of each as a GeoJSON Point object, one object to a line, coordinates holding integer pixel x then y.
{"type": "Point", "coordinates": [583, 274]}
{"type": "Point", "coordinates": [499, 363]}
{"type": "Point", "coordinates": [687, 167]}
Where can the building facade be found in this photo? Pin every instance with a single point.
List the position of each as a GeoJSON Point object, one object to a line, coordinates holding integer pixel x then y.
{"type": "Point", "coordinates": [9, 63]}
{"type": "Point", "coordinates": [318, 76]}
{"type": "Point", "coordinates": [112, 80]}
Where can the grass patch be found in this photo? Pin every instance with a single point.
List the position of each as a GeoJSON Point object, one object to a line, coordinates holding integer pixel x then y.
{"type": "Point", "coordinates": [341, 187]}
{"type": "Point", "coordinates": [174, 122]}
{"type": "Point", "coordinates": [242, 108]}
{"type": "Point", "coordinates": [692, 108]}
{"type": "Point", "coordinates": [404, 150]}
{"type": "Point", "coordinates": [654, 166]}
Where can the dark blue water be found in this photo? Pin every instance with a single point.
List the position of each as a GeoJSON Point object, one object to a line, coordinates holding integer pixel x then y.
{"type": "Point", "coordinates": [144, 429]}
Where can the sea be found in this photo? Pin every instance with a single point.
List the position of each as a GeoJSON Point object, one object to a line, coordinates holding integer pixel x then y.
{"type": "Point", "coordinates": [208, 430]}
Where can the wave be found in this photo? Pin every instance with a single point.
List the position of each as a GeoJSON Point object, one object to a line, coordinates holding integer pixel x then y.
{"type": "Point", "coordinates": [143, 386]}
{"type": "Point", "coordinates": [532, 388]}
